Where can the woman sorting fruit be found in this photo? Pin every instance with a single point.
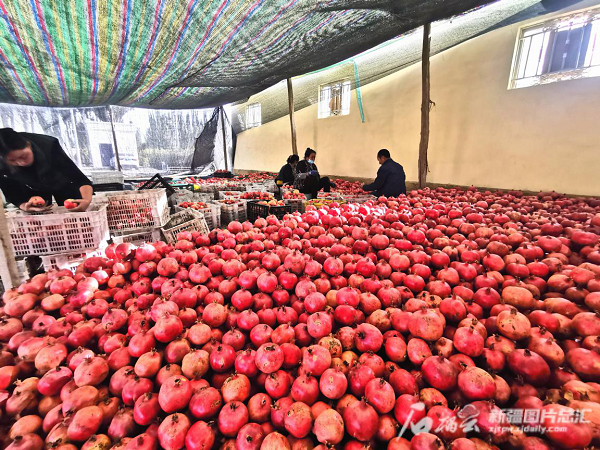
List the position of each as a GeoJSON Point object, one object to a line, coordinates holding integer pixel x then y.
{"type": "Point", "coordinates": [34, 168]}
{"type": "Point", "coordinates": [308, 179]}
{"type": "Point", "coordinates": [286, 174]}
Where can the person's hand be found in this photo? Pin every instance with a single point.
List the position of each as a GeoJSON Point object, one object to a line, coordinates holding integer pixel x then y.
{"type": "Point", "coordinates": [82, 205]}
{"type": "Point", "coordinates": [313, 173]}
{"type": "Point", "coordinates": [31, 207]}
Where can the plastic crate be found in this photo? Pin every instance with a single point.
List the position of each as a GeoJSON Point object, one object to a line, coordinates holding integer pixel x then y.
{"type": "Point", "coordinates": [358, 198]}
{"type": "Point", "coordinates": [138, 237]}
{"type": "Point", "coordinates": [223, 175]}
{"type": "Point", "coordinates": [232, 211]}
{"type": "Point", "coordinates": [256, 187]}
{"type": "Point", "coordinates": [157, 182]}
{"type": "Point", "coordinates": [134, 210]}
{"type": "Point", "coordinates": [329, 195]}
{"type": "Point", "coordinates": [188, 196]}
{"type": "Point", "coordinates": [69, 260]}
{"type": "Point", "coordinates": [23, 272]}
{"type": "Point", "coordinates": [108, 177]}
{"type": "Point", "coordinates": [255, 210]}
{"type": "Point", "coordinates": [270, 186]}
{"type": "Point", "coordinates": [295, 204]}
{"type": "Point", "coordinates": [109, 187]}
{"type": "Point", "coordinates": [60, 231]}
{"type": "Point", "coordinates": [225, 195]}
{"type": "Point", "coordinates": [212, 215]}
{"type": "Point", "coordinates": [186, 220]}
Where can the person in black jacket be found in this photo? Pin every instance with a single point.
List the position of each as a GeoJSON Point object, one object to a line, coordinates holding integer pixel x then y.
{"type": "Point", "coordinates": [391, 180]}
{"type": "Point", "coordinates": [308, 180]}
{"type": "Point", "coordinates": [286, 174]}
{"type": "Point", "coordinates": [35, 165]}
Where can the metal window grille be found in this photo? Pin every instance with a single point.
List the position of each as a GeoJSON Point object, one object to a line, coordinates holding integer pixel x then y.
{"type": "Point", "coordinates": [253, 115]}
{"type": "Point", "coordinates": [334, 99]}
{"type": "Point", "coordinates": [563, 48]}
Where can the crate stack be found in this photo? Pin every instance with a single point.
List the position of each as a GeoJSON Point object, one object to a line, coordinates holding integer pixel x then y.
{"type": "Point", "coordinates": [232, 209]}
{"type": "Point", "coordinates": [62, 238]}
{"type": "Point", "coordinates": [135, 216]}
{"type": "Point", "coordinates": [212, 215]}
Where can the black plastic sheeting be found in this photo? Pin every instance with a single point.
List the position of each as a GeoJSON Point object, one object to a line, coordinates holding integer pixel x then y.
{"type": "Point", "coordinates": [209, 155]}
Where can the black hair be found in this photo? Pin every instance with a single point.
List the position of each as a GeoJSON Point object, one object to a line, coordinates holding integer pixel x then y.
{"type": "Point", "coordinates": [383, 152]}
{"type": "Point", "coordinates": [293, 159]}
{"type": "Point", "coordinates": [309, 151]}
{"type": "Point", "coordinates": [11, 140]}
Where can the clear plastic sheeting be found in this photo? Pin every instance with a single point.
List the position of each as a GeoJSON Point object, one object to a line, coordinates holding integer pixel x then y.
{"type": "Point", "coordinates": [147, 140]}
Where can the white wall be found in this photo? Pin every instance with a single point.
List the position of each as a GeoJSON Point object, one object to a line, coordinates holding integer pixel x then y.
{"type": "Point", "coordinates": [538, 138]}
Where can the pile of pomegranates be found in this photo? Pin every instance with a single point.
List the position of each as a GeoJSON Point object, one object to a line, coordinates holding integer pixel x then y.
{"type": "Point", "coordinates": [423, 322]}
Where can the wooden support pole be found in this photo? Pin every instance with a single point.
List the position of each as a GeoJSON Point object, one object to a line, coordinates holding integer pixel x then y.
{"type": "Point", "coordinates": [224, 138]}
{"type": "Point", "coordinates": [9, 270]}
{"type": "Point", "coordinates": [425, 107]}
{"type": "Point", "coordinates": [292, 123]}
{"type": "Point", "coordinates": [114, 136]}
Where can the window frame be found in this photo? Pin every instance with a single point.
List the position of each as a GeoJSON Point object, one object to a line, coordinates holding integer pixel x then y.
{"type": "Point", "coordinates": [592, 16]}
{"type": "Point", "coordinates": [252, 107]}
{"type": "Point", "coordinates": [344, 109]}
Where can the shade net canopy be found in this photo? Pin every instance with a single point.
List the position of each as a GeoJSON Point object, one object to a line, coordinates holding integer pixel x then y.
{"type": "Point", "coordinates": [387, 58]}
{"type": "Point", "coordinates": [187, 53]}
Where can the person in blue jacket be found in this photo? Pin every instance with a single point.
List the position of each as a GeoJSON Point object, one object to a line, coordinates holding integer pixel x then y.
{"type": "Point", "coordinates": [391, 180]}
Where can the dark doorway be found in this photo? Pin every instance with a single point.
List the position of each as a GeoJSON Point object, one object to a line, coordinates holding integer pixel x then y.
{"type": "Point", "coordinates": [107, 155]}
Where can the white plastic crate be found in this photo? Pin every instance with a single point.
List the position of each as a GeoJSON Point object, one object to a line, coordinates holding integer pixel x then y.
{"type": "Point", "coordinates": [108, 177]}
{"type": "Point", "coordinates": [270, 186]}
{"type": "Point", "coordinates": [182, 195]}
{"type": "Point", "coordinates": [69, 260]}
{"type": "Point", "coordinates": [133, 210]}
{"type": "Point", "coordinates": [358, 198]}
{"type": "Point", "coordinates": [59, 231]}
{"type": "Point", "coordinates": [138, 237]}
{"type": "Point", "coordinates": [212, 215]}
{"type": "Point", "coordinates": [225, 195]}
{"type": "Point", "coordinates": [232, 211]}
{"type": "Point", "coordinates": [329, 195]}
{"type": "Point", "coordinates": [23, 271]}
{"type": "Point", "coordinates": [186, 220]}
{"type": "Point", "coordinates": [256, 187]}
{"type": "Point", "coordinates": [295, 204]}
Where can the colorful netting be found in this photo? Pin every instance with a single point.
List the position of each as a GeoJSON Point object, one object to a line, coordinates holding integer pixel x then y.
{"type": "Point", "coordinates": [186, 53]}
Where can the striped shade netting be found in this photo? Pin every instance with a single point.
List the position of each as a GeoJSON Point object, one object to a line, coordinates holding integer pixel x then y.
{"type": "Point", "coordinates": [186, 53]}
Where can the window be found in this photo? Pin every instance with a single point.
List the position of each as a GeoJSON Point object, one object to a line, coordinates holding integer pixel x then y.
{"type": "Point", "coordinates": [334, 99]}
{"type": "Point", "coordinates": [253, 115]}
{"type": "Point", "coordinates": [564, 48]}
